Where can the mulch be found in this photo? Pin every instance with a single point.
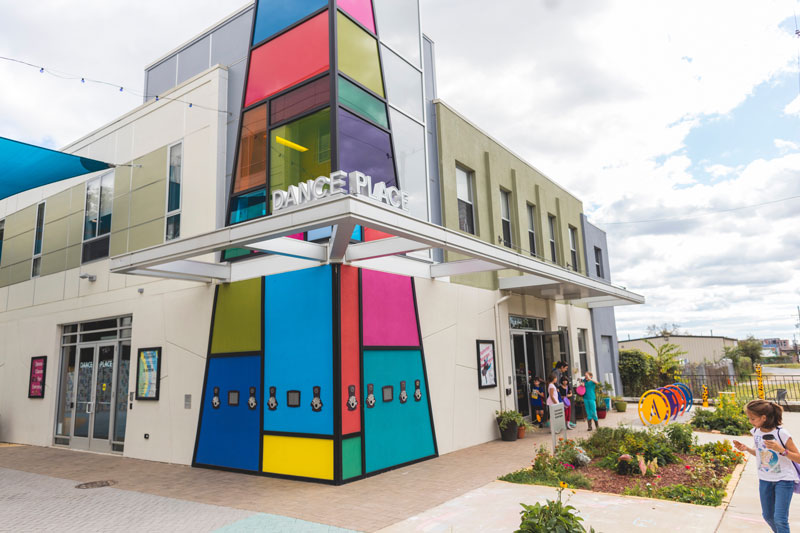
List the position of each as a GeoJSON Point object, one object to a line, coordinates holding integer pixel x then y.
{"type": "Point", "coordinates": [605, 480]}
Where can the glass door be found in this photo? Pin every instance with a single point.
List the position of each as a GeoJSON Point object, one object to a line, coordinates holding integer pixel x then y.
{"type": "Point", "coordinates": [83, 405]}
{"type": "Point", "coordinates": [521, 373]}
{"type": "Point", "coordinates": [94, 395]}
{"type": "Point", "coordinates": [103, 397]}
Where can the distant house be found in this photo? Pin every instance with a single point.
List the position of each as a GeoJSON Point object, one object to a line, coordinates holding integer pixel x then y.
{"type": "Point", "coordinates": [776, 347]}
{"type": "Point", "coordinates": [698, 348]}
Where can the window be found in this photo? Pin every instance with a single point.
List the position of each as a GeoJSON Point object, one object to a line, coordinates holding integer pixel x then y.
{"type": "Point", "coordinates": [598, 261]}
{"type": "Point", "coordinates": [532, 229]}
{"type": "Point", "coordinates": [174, 192]}
{"type": "Point", "coordinates": [37, 241]}
{"type": "Point", "coordinates": [466, 217]}
{"type": "Point", "coordinates": [2, 230]}
{"type": "Point", "coordinates": [582, 351]}
{"type": "Point", "coordinates": [573, 248]}
{"type": "Point", "coordinates": [552, 223]}
{"type": "Point", "coordinates": [97, 218]}
{"type": "Point", "coordinates": [505, 217]}
{"type": "Point", "coordinates": [563, 344]}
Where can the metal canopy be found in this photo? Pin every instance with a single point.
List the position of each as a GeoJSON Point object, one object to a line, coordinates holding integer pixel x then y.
{"type": "Point", "coordinates": [270, 234]}
{"type": "Point", "coordinates": [24, 166]}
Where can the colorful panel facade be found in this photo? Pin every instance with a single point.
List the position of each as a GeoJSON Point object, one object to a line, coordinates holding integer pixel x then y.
{"type": "Point", "coordinates": [350, 351]}
{"type": "Point", "coordinates": [237, 318]}
{"type": "Point", "coordinates": [388, 325]}
{"type": "Point", "coordinates": [363, 103]}
{"type": "Point", "coordinates": [251, 167]}
{"type": "Point", "coordinates": [298, 101]}
{"type": "Point", "coordinates": [273, 16]}
{"type": "Point", "coordinates": [361, 10]}
{"type": "Point", "coordinates": [297, 456]}
{"type": "Point", "coordinates": [358, 55]}
{"type": "Point", "coordinates": [366, 148]}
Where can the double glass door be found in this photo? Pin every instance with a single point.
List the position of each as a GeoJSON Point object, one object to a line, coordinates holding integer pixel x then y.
{"type": "Point", "coordinates": [95, 397]}
{"type": "Point", "coordinates": [535, 354]}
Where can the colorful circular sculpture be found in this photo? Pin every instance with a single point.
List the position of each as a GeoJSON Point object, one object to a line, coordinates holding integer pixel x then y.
{"type": "Point", "coordinates": [680, 399]}
{"type": "Point", "coordinates": [687, 392]}
{"type": "Point", "coordinates": [654, 408]}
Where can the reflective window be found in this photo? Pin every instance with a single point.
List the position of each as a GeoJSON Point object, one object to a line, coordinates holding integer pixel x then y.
{"type": "Point", "coordinates": [2, 230]}
{"type": "Point", "coordinates": [466, 210]}
{"type": "Point", "coordinates": [300, 150]}
{"type": "Point", "coordinates": [296, 102]}
{"type": "Point", "coordinates": [92, 209]}
{"type": "Point", "coordinates": [276, 15]}
{"type": "Point", "coordinates": [362, 102]}
{"type": "Point", "coordinates": [248, 206]}
{"type": "Point", "coordinates": [532, 229]}
{"type": "Point", "coordinates": [37, 241]}
{"type": "Point", "coordinates": [174, 192]}
{"type": "Point", "coordinates": [290, 58]}
{"type": "Point", "coordinates": [598, 261]}
{"type": "Point", "coordinates": [366, 148]}
{"type": "Point", "coordinates": [398, 26]}
{"type": "Point", "coordinates": [409, 149]}
{"type": "Point", "coordinates": [251, 167]}
{"type": "Point", "coordinates": [573, 248]}
{"type": "Point", "coordinates": [361, 10]}
{"type": "Point", "coordinates": [97, 217]}
{"type": "Point", "coordinates": [403, 84]}
{"type": "Point", "coordinates": [505, 217]}
{"type": "Point", "coordinates": [358, 55]}
{"type": "Point", "coordinates": [106, 204]}
{"type": "Point", "coordinates": [551, 221]}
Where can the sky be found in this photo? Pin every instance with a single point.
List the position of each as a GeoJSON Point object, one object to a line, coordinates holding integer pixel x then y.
{"type": "Point", "coordinates": [676, 122]}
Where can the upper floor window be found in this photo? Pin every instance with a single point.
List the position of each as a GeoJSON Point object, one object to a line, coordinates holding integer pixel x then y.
{"type": "Point", "coordinates": [466, 210]}
{"type": "Point", "coordinates": [2, 230]}
{"type": "Point", "coordinates": [532, 229]}
{"type": "Point", "coordinates": [174, 192]}
{"type": "Point", "coordinates": [37, 241]}
{"type": "Point", "coordinates": [573, 248]}
{"type": "Point", "coordinates": [551, 221]}
{"type": "Point", "coordinates": [505, 217]}
{"type": "Point", "coordinates": [582, 351]}
{"type": "Point", "coordinates": [598, 261]}
{"type": "Point", "coordinates": [97, 217]}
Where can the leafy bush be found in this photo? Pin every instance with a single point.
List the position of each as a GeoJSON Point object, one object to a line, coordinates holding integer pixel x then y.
{"type": "Point", "coordinates": [680, 436]}
{"type": "Point", "coordinates": [651, 444]}
{"type": "Point", "coordinates": [551, 516]}
{"type": "Point", "coordinates": [637, 370]}
{"type": "Point", "coordinates": [606, 441]}
{"type": "Point", "coordinates": [728, 417]}
{"type": "Point", "coordinates": [504, 418]}
{"type": "Point", "coordinates": [719, 453]}
{"type": "Point", "coordinates": [548, 470]}
{"type": "Point", "coordinates": [569, 452]}
{"type": "Point", "coordinates": [697, 495]}
{"type": "Point", "coordinates": [625, 465]}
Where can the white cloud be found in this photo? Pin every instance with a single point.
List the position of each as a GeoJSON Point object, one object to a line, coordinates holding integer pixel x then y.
{"type": "Point", "coordinates": [785, 146]}
{"type": "Point", "coordinates": [793, 107]}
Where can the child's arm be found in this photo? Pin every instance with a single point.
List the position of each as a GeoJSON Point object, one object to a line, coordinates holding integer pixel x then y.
{"type": "Point", "coordinates": [741, 447]}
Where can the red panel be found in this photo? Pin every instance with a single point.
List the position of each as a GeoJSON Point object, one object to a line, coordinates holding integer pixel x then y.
{"type": "Point", "coordinates": [351, 367]}
{"type": "Point", "coordinates": [290, 58]}
{"type": "Point", "coordinates": [375, 235]}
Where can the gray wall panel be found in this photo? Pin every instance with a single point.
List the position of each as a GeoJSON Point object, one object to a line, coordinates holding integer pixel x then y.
{"type": "Point", "coordinates": [194, 59]}
{"type": "Point", "coordinates": [161, 78]}
{"type": "Point", "coordinates": [230, 42]}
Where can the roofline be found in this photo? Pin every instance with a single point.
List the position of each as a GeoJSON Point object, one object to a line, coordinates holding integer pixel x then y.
{"type": "Point", "coordinates": [681, 336]}
{"type": "Point", "coordinates": [504, 147]}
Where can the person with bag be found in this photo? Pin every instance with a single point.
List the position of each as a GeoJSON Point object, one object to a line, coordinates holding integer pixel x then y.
{"type": "Point", "coordinates": [777, 458]}
{"type": "Point", "coordinates": [590, 399]}
{"type": "Point", "coordinates": [537, 401]}
{"type": "Point", "coordinates": [565, 393]}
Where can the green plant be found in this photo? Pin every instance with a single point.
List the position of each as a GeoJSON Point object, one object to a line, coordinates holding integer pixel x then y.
{"type": "Point", "coordinates": [504, 418]}
{"type": "Point", "coordinates": [570, 452]}
{"type": "Point", "coordinates": [667, 359]}
{"type": "Point", "coordinates": [719, 453]}
{"type": "Point", "coordinates": [698, 495]}
{"type": "Point", "coordinates": [606, 441]}
{"type": "Point", "coordinates": [680, 436]}
{"type": "Point", "coordinates": [625, 465]}
{"type": "Point", "coordinates": [552, 516]}
{"type": "Point", "coordinates": [637, 371]}
{"type": "Point", "coordinates": [651, 445]}
{"type": "Point", "coordinates": [728, 417]}
{"type": "Point", "coordinates": [547, 469]}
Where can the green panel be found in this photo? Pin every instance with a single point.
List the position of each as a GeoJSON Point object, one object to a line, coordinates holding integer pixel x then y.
{"type": "Point", "coordinates": [20, 222]}
{"type": "Point", "coordinates": [75, 223]}
{"type": "Point", "coordinates": [53, 262]}
{"type": "Point", "coordinates": [231, 253]}
{"type": "Point", "coordinates": [119, 243]}
{"type": "Point", "coordinates": [153, 169]}
{"type": "Point", "coordinates": [237, 318]}
{"type": "Point", "coordinates": [18, 248]}
{"type": "Point", "coordinates": [58, 206]}
{"type": "Point", "coordinates": [358, 55]}
{"type": "Point", "coordinates": [4, 277]}
{"type": "Point", "coordinates": [351, 458]}
{"type": "Point", "coordinates": [362, 102]}
{"type": "Point", "coordinates": [55, 235]}
{"type": "Point", "coordinates": [146, 235]}
{"type": "Point", "coordinates": [122, 181]}
{"type": "Point", "coordinates": [19, 272]}
{"type": "Point", "coordinates": [121, 212]}
{"type": "Point", "coordinates": [148, 203]}
{"type": "Point", "coordinates": [78, 200]}
{"type": "Point", "coordinates": [310, 153]}
{"type": "Point", "coordinates": [73, 256]}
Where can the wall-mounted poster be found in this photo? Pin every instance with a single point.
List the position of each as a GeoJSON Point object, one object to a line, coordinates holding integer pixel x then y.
{"type": "Point", "coordinates": [38, 373]}
{"type": "Point", "coordinates": [148, 375]}
{"type": "Point", "coordinates": [487, 372]}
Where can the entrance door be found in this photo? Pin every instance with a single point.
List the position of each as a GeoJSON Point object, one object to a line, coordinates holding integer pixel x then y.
{"type": "Point", "coordinates": [94, 395]}
{"type": "Point", "coordinates": [521, 373]}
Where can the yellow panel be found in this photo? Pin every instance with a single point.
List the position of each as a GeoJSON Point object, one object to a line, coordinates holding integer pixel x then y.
{"type": "Point", "coordinates": [358, 55]}
{"type": "Point", "coordinates": [295, 456]}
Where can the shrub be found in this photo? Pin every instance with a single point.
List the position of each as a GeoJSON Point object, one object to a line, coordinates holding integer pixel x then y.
{"type": "Point", "coordinates": [680, 436]}
{"type": "Point", "coordinates": [625, 465]}
{"type": "Point", "coordinates": [569, 452]}
{"type": "Point", "coordinates": [637, 371]}
{"type": "Point", "coordinates": [697, 495]}
{"type": "Point", "coordinates": [506, 417]}
{"type": "Point", "coordinates": [728, 417]}
{"type": "Point", "coordinates": [606, 441]}
{"type": "Point", "coordinates": [551, 516]}
{"type": "Point", "coordinates": [548, 470]}
{"type": "Point", "coordinates": [720, 453]}
{"type": "Point", "coordinates": [651, 444]}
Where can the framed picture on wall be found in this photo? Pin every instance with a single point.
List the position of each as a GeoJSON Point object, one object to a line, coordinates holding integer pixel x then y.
{"type": "Point", "coordinates": [487, 371]}
{"type": "Point", "coordinates": [37, 376]}
{"type": "Point", "coordinates": [148, 374]}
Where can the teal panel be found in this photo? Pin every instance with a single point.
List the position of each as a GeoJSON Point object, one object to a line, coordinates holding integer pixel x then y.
{"type": "Point", "coordinates": [362, 102]}
{"type": "Point", "coordinates": [351, 458]}
{"type": "Point", "coordinates": [395, 433]}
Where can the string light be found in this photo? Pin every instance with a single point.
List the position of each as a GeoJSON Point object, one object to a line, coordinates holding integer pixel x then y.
{"type": "Point", "coordinates": [122, 89]}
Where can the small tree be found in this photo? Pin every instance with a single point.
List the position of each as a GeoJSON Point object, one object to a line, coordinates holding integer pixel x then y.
{"type": "Point", "coordinates": [637, 371]}
{"type": "Point", "coordinates": [750, 347]}
{"type": "Point", "coordinates": [666, 360]}
{"type": "Point", "coordinates": [664, 330]}
{"type": "Point", "coordinates": [742, 364]}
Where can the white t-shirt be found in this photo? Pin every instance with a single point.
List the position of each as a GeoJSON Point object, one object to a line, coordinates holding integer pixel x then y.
{"type": "Point", "coordinates": [552, 391]}
{"type": "Point", "coordinates": [771, 465]}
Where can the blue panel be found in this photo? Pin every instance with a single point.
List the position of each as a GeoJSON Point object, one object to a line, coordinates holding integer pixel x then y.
{"type": "Point", "coordinates": [299, 349]}
{"type": "Point", "coordinates": [395, 433]}
{"type": "Point", "coordinates": [274, 15]}
{"type": "Point", "coordinates": [26, 166]}
{"type": "Point", "coordinates": [324, 233]}
{"type": "Point", "coordinates": [249, 206]}
{"type": "Point", "coordinates": [230, 435]}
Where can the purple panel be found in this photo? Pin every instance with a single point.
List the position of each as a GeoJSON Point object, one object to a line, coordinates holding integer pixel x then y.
{"type": "Point", "coordinates": [361, 10]}
{"type": "Point", "coordinates": [389, 318]}
{"type": "Point", "coordinates": [366, 148]}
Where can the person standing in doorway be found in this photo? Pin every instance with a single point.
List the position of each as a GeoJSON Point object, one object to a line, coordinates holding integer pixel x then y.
{"type": "Point", "coordinates": [537, 401]}
{"type": "Point", "coordinates": [565, 391]}
{"type": "Point", "coordinates": [552, 390]}
{"type": "Point", "coordinates": [590, 399]}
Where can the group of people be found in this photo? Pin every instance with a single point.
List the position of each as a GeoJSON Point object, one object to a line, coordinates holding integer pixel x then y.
{"type": "Point", "coordinates": [559, 390]}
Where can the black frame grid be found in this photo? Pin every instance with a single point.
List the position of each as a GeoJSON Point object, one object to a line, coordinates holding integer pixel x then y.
{"type": "Point", "coordinates": [159, 364]}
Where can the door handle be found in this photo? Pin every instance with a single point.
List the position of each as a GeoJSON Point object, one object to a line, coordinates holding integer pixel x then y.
{"type": "Point", "coordinates": [88, 408]}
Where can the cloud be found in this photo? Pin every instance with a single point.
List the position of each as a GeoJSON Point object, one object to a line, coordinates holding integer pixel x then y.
{"type": "Point", "coordinates": [793, 107]}
{"type": "Point", "coordinates": [786, 146]}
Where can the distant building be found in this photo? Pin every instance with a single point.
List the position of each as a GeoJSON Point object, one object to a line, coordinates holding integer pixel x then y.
{"type": "Point", "coordinates": [698, 348]}
{"type": "Point", "coordinates": [777, 347]}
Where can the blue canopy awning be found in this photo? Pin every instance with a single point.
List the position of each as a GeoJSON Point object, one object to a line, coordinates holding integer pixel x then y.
{"type": "Point", "coordinates": [24, 166]}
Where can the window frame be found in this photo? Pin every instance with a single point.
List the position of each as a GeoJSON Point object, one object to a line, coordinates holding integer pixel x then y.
{"type": "Point", "coordinates": [573, 248]}
{"type": "Point", "coordinates": [471, 202]}
{"type": "Point", "coordinates": [175, 212]}
{"type": "Point", "coordinates": [551, 221]}
{"type": "Point", "coordinates": [505, 223]}
{"type": "Point", "coordinates": [583, 355]}
{"type": "Point", "coordinates": [98, 236]}
{"type": "Point", "coordinates": [2, 236]}
{"type": "Point", "coordinates": [36, 258]}
{"type": "Point", "coordinates": [598, 261]}
{"type": "Point", "coordinates": [531, 208]}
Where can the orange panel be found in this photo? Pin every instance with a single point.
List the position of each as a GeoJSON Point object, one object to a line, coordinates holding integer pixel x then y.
{"type": "Point", "coordinates": [375, 235]}
{"type": "Point", "coordinates": [351, 367]}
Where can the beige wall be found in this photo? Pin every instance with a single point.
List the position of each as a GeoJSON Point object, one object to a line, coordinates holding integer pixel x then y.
{"type": "Point", "coordinates": [700, 349]}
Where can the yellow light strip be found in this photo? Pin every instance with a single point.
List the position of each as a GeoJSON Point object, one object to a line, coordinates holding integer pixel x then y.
{"type": "Point", "coordinates": [290, 144]}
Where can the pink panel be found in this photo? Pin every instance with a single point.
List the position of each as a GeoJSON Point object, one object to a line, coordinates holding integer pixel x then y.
{"type": "Point", "coordinates": [299, 236]}
{"type": "Point", "coordinates": [388, 310]}
{"type": "Point", "coordinates": [361, 10]}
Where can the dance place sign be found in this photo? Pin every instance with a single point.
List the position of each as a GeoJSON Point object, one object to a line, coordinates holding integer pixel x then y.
{"type": "Point", "coordinates": [358, 184]}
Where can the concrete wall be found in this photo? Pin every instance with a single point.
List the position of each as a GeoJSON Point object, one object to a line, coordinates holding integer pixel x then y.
{"type": "Point", "coordinates": [700, 349]}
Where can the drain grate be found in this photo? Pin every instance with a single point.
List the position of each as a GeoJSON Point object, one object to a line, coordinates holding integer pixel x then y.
{"type": "Point", "coordinates": [96, 484]}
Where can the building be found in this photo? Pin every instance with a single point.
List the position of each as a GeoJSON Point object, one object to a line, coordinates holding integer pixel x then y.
{"type": "Point", "coordinates": [777, 347]}
{"type": "Point", "coordinates": [302, 264]}
{"type": "Point", "coordinates": [698, 348]}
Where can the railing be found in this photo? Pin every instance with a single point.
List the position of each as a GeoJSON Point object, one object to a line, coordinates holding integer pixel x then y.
{"type": "Point", "coordinates": [745, 387]}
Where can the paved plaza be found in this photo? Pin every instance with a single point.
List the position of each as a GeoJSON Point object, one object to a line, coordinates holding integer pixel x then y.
{"type": "Point", "coordinates": [455, 492]}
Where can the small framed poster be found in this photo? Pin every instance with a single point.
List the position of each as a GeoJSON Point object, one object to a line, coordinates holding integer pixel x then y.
{"type": "Point", "coordinates": [37, 376]}
{"type": "Point", "coordinates": [487, 371]}
{"type": "Point", "coordinates": [148, 375]}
